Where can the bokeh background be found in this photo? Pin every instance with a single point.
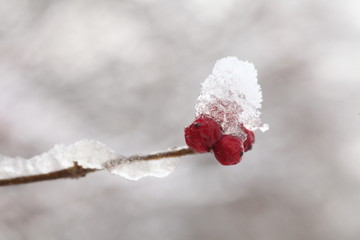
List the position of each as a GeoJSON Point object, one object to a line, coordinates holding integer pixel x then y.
{"type": "Point", "coordinates": [127, 73]}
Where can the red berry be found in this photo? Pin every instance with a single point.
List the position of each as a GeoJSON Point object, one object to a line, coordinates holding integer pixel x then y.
{"type": "Point", "coordinates": [250, 139]}
{"type": "Point", "coordinates": [201, 135]}
{"type": "Point", "coordinates": [228, 150]}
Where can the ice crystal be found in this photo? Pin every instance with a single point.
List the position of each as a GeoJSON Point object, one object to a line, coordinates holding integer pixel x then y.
{"type": "Point", "coordinates": [135, 168]}
{"type": "Point", "coordinates": [232, 96]}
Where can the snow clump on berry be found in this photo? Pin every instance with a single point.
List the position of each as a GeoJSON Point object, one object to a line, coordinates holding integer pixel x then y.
{"type": "Point", "coordinates": [232, 96]}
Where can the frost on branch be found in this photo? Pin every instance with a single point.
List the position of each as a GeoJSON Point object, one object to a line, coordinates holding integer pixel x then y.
{"type": "Point", "coordinates": [87, 153]}
{"type": "Point", "coordinates": [134, 167]}
{"type": "Point", "coordinates": [232, 96]}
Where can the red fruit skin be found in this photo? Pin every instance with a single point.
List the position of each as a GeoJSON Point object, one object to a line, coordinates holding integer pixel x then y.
{"type": "Point", "coordinates": [201, 135]}
{"type": "Point", "coordinates": [250, 139]}
{"type": "Point", "coordinates": [228, 150]}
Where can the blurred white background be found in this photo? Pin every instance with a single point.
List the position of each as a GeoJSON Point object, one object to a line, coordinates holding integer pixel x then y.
{"type": "Point", "coordinates": [127, 73]}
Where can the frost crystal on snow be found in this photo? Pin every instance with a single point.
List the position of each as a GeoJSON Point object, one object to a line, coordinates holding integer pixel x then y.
{"type": "Point", "coordinates": [88, 154]}
{"type": "Point", "coordinates": [232, 96]}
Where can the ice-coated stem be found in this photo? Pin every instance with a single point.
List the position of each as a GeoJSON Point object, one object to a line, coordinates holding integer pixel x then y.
{"type": "Point", "coordinates": [73, 172]}
{"type": "Point", "coordinates": [77, 171]}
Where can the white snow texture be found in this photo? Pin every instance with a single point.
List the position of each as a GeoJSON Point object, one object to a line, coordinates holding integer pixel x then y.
{"type": "Point", "coordinates": [232, 96]}
{"type": "Point", "coordinates": [88, 154]}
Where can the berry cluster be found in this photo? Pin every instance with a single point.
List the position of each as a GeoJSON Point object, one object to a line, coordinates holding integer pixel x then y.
{"type": "Point", "coordinates": [205, 134]}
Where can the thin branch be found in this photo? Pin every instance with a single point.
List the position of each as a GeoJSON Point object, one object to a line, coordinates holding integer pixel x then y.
{"type": "Point", "coordinates": [176, 152]}
{"type": "Point", "coordinates": [77, 171]}
{"type": "Point", "coordinates": [73, 172]}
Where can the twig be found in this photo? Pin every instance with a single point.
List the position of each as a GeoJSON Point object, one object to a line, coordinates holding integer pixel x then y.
{"type": "Point", "coordinates": [74, 172]}
{"type": "Point", "coordinates": [77, 171]}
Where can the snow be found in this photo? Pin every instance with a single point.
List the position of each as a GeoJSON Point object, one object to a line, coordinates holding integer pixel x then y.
{"type": "Point", "coordinates": [232, 96]}
{"type": "Point", "coordinates": [134, 168]}
{"type": "Point", "coordinates": [87, 153]}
